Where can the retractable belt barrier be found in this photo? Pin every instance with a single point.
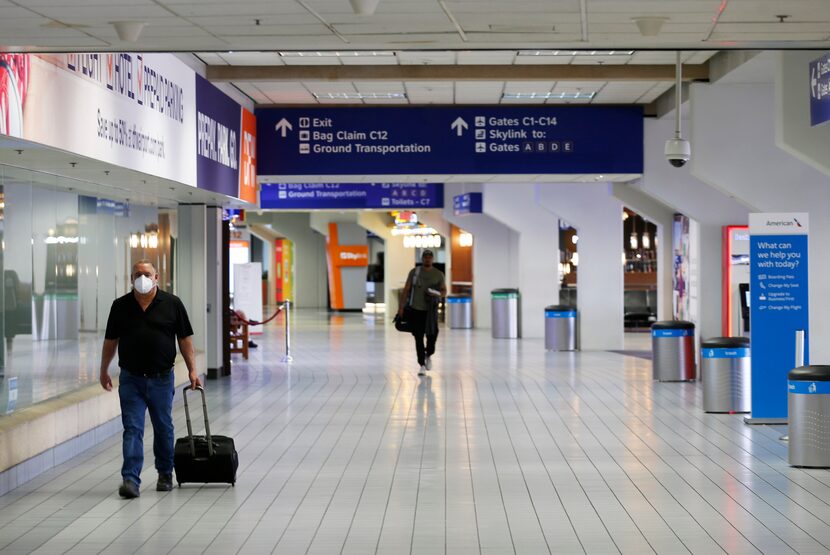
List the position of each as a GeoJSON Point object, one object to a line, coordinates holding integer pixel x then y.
{"type": "Point", "coordinates": [255, 322]}
{"type": "Point", "coordinates": [285, 306]}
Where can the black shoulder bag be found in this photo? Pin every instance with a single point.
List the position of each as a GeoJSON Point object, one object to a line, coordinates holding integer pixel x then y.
{"type": "Point", "coordinates": [403, 322]}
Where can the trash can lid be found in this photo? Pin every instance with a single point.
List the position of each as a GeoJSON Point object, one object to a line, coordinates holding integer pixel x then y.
{"type": "Point", "coordinates": [504, 292]}
{"type": "Point", "coordinates": [560, 308]}
{"type": "Point", "coordinates": [725, 342]}
{"type": "Point", "coordinates": [459, 296]}
{"type": "Point", "coordinates": [672, 325]}
{"type": "Point", "coordinates": [813, 373]}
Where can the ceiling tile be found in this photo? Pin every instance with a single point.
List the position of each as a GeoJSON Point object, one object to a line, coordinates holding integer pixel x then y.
{"type": "Point", "coordinates": [426, 58]}
{"type": "Point", "coordinates": [496, 57]}
{"type": "Point", "coordinates": [479, 92]}
{"type": "Point", "coordinates": [381, 60]}
{"type": "Point", "coordinates": [379, 86]}
{"type": "Point", "coordinates": [212, 58]}
{"type": "Point", "coordinates": [430, 92]}
{"type": "Point", "coordinates": [528, 86]}
{"type": "Point", "coordinates": [253, 58]}
{"type": "Point", "coordinates": [529, 59]}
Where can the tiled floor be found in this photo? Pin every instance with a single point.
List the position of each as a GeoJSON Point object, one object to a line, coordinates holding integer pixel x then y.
{"type": "Point", "coordinates": [503, 449]}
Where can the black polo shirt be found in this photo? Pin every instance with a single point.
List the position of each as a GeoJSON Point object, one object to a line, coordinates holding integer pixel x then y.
{"type": "Point", "coordinates": [147, 339]}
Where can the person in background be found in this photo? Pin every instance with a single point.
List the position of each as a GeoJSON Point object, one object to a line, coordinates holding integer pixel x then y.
{"type": "Point", "coordinates": [423, 290]}
{"type": "Point", "coordinates": [144, 325]}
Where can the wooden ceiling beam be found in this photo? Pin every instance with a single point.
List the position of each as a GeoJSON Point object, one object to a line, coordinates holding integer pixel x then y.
{"type": "Point", "coordinates": [220, 74]}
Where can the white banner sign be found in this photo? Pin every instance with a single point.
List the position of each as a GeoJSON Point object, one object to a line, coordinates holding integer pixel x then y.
{"type": "Point", "coordinates": [133, 110]}
{"type": "Point", "coordinates": [247, 292]}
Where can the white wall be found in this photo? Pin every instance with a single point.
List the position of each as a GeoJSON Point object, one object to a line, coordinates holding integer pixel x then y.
{"type": "Point", "coordinates": [735, 151]}
{"type": "Point", "coordinates": [793, 130]}
{"type": "Point", "coordinates": [495, 252]}
{"type": "Point", "coordinates": [310, 275]}
{"type": "Point", "coordinates": [597, 216]}
{"type": "Point", "coordinates": [397, 260]}
{"type": "Point", "coordinates": [711, 208]}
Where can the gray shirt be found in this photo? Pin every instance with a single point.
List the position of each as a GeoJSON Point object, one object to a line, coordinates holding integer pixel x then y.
{"type": "Point", "coordinates": [427, 279]}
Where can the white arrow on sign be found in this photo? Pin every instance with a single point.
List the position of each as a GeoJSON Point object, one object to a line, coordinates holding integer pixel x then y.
{"type": "Point", "coordinates": [283, 126]}
{"type": "Point", "coordinates": [459, 125]}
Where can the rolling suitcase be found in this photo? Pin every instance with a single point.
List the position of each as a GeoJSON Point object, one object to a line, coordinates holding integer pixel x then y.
{"type": "Point", "coordinates": [204, 459]}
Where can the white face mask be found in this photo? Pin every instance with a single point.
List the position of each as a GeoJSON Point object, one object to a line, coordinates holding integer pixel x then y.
{"type": "Point", "coordinates": [143, 284]}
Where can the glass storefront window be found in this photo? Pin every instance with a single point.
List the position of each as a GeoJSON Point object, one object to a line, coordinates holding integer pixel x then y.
{"type": "Point", "coordinates": [64, 257]}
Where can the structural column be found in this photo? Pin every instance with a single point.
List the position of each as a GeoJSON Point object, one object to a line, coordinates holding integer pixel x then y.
{"type": "Point", "coordinates": [213, 284]}
{"type": "Point", "coordinates": [191, 269]}
{"type": "Point", "coordinates": [597, 215]}
{"type": "Point", "coordinates": [495, 252]}
{"type": "Point", "coordinates": [517, 206]}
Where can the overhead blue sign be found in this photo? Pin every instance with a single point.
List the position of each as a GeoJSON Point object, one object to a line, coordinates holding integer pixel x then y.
{"type": "Point", "coordinates": [778, 286]}
{"type": "Point", "coordinates": [340, 196]}
{"type": "Point", "coordinates": [468, 203]}
{"type": "Point", "coordinates": [451, 140]}
{"type": "Point", "coordinates": [820, 90]}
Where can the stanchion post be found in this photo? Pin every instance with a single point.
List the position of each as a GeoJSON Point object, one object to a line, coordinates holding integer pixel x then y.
{"type": "Point", "coordinates": [287, 358]}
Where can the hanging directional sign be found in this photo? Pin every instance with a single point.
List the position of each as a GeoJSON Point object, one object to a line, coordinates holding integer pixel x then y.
{"type": "Point", "coordinates": [820, 90]}
{"type": "Point", "coordinates": [468, 203]}
{"type": "Point", "coordinates": [451, 140]}
{"type": "Point", "coordinates": [341, 196]}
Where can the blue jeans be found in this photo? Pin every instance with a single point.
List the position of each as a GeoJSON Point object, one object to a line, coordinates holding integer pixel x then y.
{"type": "Point", "coordinates": [138, 395]}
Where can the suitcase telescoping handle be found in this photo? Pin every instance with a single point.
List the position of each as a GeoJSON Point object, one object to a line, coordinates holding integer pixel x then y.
{"type": "Point", "coordinates": [190, 427]}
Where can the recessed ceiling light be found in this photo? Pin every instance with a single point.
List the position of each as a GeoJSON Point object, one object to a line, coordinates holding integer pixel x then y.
{"type": "Point", "coordinates": [567, 95]}
{"type": "Point", "coordinates": [338, 54]}
{"type": "Point", "coordinates": [358, 96]}
{"type": "Point", "coordinates": [575, 52]}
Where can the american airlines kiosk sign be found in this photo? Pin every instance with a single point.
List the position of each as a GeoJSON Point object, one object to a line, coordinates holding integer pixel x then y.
{"type": "Point", "coordinates": [779, 306]}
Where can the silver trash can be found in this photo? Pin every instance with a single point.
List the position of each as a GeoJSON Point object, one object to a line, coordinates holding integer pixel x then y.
{"type": "Point", "coordinates": [725, 369]}
{"type": "Point", "coordinates": [560, 328]}
{"type": "Point", "coordinates": [460, 308]}
{"type": "Point", "coordinates": [673, 351]}
{"type": "Point", "coordinates": [808, 402]}
{"type": "Point", "coordinates": [504, 306]}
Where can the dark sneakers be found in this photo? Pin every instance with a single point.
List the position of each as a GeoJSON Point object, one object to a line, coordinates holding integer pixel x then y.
{"type": "Point", "coordinates": [165, 482]}
{"type": "Point", "coordinates": [128, 490]}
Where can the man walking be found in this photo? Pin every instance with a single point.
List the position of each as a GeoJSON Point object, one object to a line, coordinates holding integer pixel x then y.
{"type": "Point", "coordinates": [143, 326]}
{"type": "Point", "coordinates": [424, 288]}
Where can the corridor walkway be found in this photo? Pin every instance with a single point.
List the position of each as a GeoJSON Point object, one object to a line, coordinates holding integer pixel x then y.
{"type": "Point", "coordinates": [504, 448]}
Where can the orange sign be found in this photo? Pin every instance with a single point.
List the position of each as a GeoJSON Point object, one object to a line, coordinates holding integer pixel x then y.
{"type": "Point", "coordinates": [341, 256]}
{"type": "Point", "coordinates": [247, 166]}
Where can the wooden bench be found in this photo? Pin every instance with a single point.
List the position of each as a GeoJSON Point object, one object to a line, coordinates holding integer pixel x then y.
{"type": "Point", "coordinates": [239, 334]}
